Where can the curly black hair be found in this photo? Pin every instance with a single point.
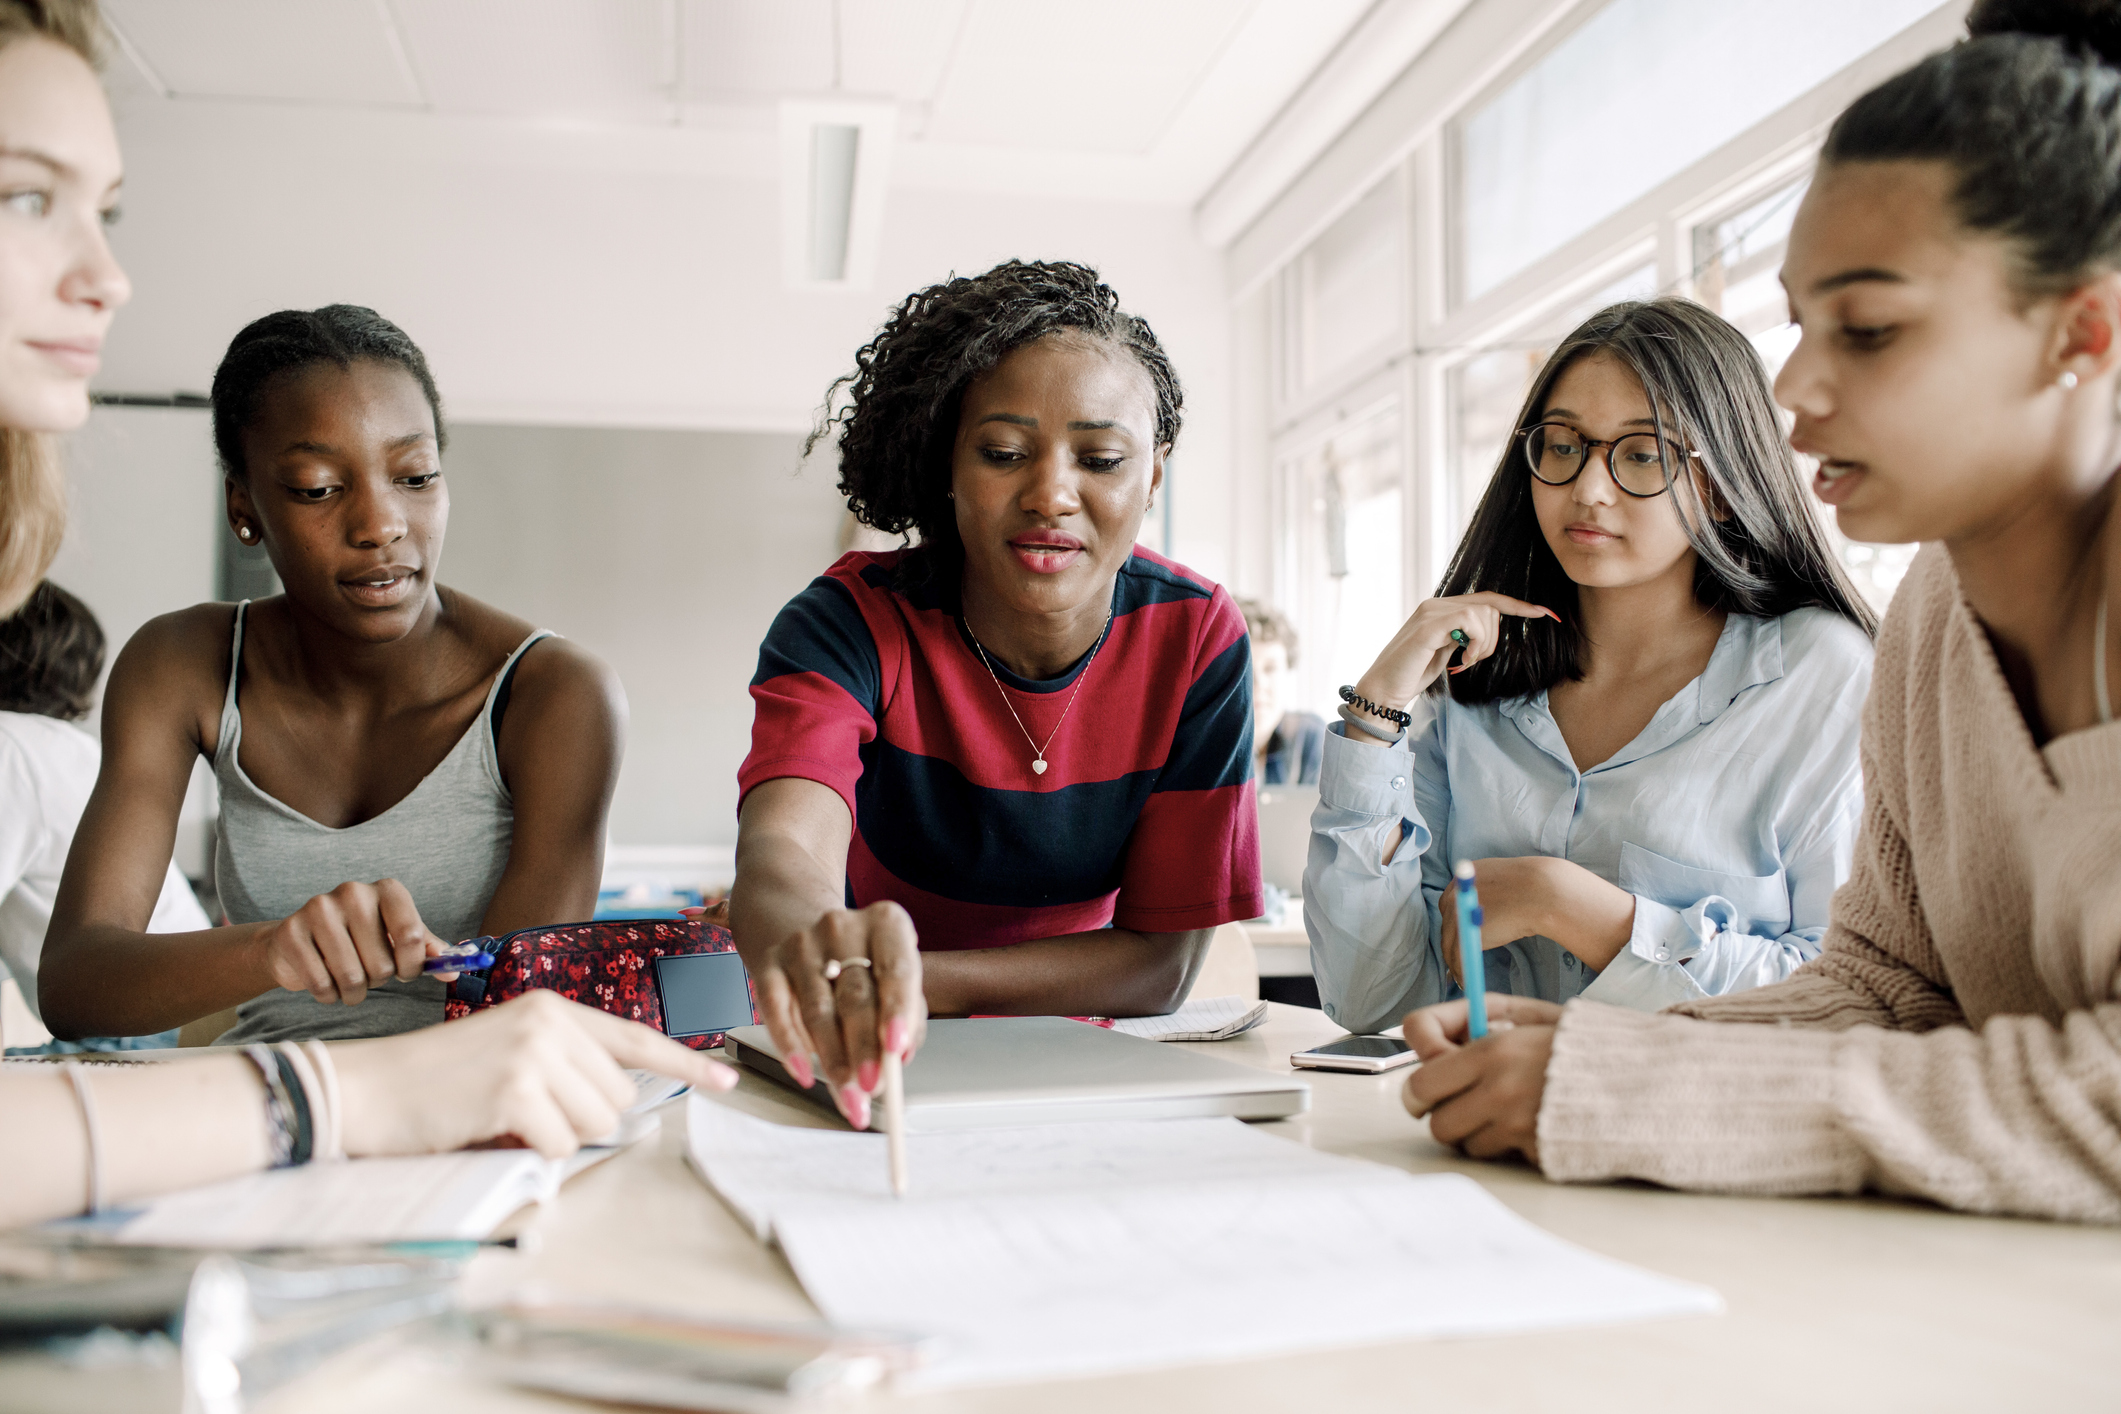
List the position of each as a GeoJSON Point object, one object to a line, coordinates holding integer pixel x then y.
{"type": "Point", "coordinates": [292, 339]}
{"type": "Point", "coordinates": [898, 427]}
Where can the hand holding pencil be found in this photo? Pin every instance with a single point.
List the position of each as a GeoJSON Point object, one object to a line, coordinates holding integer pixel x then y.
{"type": "Point", "coordinates": [1482, 1095]}
{"type": "Point", "coordinates": [840, 994]}
{"type": "Point", "coordinates": [1472, 957]}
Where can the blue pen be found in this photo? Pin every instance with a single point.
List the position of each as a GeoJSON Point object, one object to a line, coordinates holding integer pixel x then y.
{"type": "Point", "coordinates": [1470, 958]}
{"type": "Point", "coordinates": [460, 957]}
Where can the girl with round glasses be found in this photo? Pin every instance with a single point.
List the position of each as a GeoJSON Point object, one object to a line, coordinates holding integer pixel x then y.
{"type": "Point", "coordinates": [1955, 271]}
{"type": "Point", "coordinates": [1647, 744]}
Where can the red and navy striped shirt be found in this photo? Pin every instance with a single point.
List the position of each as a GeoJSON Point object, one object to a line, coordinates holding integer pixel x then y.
{"type": "Point", "coordinates": [1144, 819]}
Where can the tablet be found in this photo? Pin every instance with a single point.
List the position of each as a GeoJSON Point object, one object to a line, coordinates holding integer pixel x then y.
{"type": "Point", "coordinates": [702, 992]}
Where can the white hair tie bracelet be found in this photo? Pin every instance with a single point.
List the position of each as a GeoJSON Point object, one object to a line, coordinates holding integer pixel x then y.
{"type": "Point", "coordinates": [87, 1101]}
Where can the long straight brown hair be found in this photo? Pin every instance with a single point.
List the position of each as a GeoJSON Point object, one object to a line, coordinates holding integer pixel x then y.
{"type": "Point", "coordinates": [1759, 546]}
{"type": "Point", "coordinates": [32, 490]}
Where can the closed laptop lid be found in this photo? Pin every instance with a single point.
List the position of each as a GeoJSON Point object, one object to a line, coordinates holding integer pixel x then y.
{"type": "Point", "coordinates": [1025, 1062]}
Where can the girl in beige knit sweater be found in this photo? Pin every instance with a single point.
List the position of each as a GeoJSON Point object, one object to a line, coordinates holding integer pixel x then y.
{"type": "Point", "coordinates": [1954, 274]}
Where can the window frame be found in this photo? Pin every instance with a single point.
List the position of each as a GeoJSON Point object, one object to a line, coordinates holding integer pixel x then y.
{"type": "Point", "coordinates": [1439, 334]}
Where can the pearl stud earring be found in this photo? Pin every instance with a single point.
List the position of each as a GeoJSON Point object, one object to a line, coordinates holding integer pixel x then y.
{"type": "Point", "coordinates": [2067, 381]}
{"type": "Point", "coordinates": [244, 533]}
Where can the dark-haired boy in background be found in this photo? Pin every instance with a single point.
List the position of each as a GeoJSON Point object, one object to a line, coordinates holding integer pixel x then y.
{"type": "Point", "coordinates": [51, 653]}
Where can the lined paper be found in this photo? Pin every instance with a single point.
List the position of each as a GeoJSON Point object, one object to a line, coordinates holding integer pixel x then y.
{"type": "Point", "coordinates": [1085, 1249]}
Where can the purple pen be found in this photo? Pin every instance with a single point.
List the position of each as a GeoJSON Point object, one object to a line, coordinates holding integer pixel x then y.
{"type": "Point", "coordinates": [460, 957]}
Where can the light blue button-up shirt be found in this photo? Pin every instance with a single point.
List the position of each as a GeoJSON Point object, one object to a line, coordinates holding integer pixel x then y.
{"type": "Point", "coordinates": [1731, 819]}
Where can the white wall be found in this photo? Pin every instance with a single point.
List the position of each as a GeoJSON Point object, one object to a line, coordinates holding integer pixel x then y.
{"type": "Point", "coordinates": [144, 513]}
{"type": "Point", "coordinates": [141, 535]}
{"type": "Point", "coordinates": [667, 553]}
{"type": "Point", "coordinates": [626, 277]}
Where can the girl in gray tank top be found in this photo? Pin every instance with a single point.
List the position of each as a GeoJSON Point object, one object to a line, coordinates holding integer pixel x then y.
{"type": "Point", "coordinates": [447, 843]}
{"type": "Point", "coordinates": [354, 724]}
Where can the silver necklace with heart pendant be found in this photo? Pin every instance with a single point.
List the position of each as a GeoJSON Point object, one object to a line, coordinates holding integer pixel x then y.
{"type": "Point", "coordinates": [1038, 757]}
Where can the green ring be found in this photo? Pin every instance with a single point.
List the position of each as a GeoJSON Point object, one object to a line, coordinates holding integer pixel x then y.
{"type": "Point", "coordinates": [1458, 636]}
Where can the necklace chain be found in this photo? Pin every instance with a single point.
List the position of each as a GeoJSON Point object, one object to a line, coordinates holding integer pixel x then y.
{"type": "Point", "coordinates": [1038, 762]}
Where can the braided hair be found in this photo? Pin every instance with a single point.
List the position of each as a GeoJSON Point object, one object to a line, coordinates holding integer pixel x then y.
{"type": "Point", "coordinates": [899, 425]}
{"type": "Point", "coordinates": [294, 339]}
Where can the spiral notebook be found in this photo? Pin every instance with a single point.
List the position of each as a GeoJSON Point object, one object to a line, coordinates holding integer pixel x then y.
{"type": "Point", "coordinates": [1209, 1019]}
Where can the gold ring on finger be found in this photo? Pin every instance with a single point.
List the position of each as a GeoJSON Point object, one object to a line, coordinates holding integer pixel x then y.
{"type": "Point", "coordinates": [835, 966]}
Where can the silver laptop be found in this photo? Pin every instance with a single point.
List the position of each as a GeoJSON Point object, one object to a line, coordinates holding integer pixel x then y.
{"type": "Point", "coordinates": [1285, 835]}
{"type": "Point", "coordinates": [1010, 1071]}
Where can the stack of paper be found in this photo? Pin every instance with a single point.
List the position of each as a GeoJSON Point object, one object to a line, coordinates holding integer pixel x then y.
{"type": "Point", "coordinates": [1082, 1249]}
{"type": "Point", "coordinates": [1209, 1019]}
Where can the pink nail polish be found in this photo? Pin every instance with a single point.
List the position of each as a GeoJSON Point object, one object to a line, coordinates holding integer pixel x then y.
{"type": "Point", "coordinates": [855, 1105]}
{"type": "Point", "coordinates": [895, 1036]}
{"type": "Point", "coordinates": [868, 1074]}
{"type": "Point", "coordinates": [799, 1067]}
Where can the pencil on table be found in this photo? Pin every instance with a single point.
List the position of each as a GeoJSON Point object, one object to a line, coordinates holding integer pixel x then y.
{"type": "Point", "coordinates": [895, 1119]}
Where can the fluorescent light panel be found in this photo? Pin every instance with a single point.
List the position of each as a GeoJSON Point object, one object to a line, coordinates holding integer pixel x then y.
{"type": "Point", "coordinates": [835, 168]}
{"type": "Point", "coordinates": [833, 148]}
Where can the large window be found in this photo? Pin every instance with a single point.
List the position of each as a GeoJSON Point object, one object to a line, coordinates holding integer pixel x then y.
{"type": "Point", "coordinates": [1642, 148]}
{"type": "Point", "coordinates": [1344, 553]}
{"type": "Point", "coordinates": [1637, 94]}
{"type": "Point", "coordinates": [1738, 268]}
{"type": "Point", "coordinates": [1347, 293]}
{"type": "Point", "coordinates": [1738, 273]}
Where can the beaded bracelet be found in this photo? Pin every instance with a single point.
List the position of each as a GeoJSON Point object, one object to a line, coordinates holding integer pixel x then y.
{"type": "Point", "coordinates": [290, 1132]}
{"type": "Point", "coordinates": [1386, 714]}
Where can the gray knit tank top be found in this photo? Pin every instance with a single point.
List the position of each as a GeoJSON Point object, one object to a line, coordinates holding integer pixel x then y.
{"type": "Point", "coordinates": [446, 842]}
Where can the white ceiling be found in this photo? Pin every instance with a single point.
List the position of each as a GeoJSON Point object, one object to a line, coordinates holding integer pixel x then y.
{"type": "Point", "coordinates": [1165, 94]}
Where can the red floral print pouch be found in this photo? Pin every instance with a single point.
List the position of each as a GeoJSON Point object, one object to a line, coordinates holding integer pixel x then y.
{"type": "Point", "coordinates": [609, 965]}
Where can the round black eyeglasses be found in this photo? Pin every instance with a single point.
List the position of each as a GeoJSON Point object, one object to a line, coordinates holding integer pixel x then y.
{"type": "Point", "coordinates": [1641, 463]}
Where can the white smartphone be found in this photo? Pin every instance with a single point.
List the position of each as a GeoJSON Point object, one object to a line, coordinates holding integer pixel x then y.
{"type": "Point", "coordinates": [1372, 1055]}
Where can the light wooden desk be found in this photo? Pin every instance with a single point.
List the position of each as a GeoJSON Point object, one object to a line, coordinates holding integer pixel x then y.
{"type": "Point", "coordinates": [1833, 1304]}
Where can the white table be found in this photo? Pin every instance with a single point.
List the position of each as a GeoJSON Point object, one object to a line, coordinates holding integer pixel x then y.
{"type": "Point", "coordinates": [1833, 1304]}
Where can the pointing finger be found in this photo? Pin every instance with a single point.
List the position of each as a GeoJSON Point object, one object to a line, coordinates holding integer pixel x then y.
{"type": "Point", "coordinates": [1519, 608]}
